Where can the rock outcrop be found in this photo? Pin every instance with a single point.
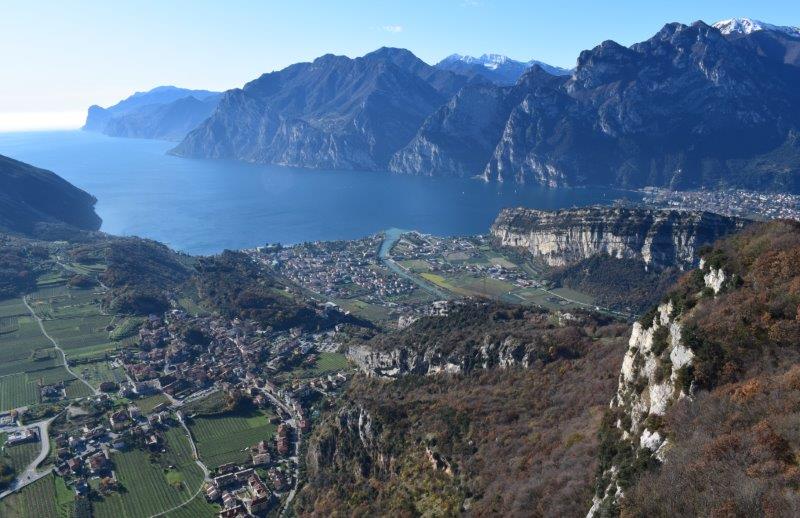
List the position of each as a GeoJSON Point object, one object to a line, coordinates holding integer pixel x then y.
{"type": "Point", "coordinates": [656, 372]}
{"type": "Point", "coordinates": [659, 238]}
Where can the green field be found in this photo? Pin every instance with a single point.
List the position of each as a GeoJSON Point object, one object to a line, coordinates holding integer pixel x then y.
{"type": "Point", "coordinates": [42, 499]}
{"type": "Point", "coordinates": [371, 312]}
{"type": "Point", "coordinates": [147, 481]}
{"type": "Point", "coordinates": [211, 404]}
{"type": "Point", "coordinates": [77, 389]}
{"type": "Point", "coordinates": [73, 317]}
{"type": "Point", "coordinates": [21, 455]}
{"type": "Point", "coordinates": [97, 372]}
{"type": "Point", "coordinates": [196, 508]}
{"type": "Point", "coordinates": [415, 265]}
{"type": "Point", "coordinates": [147, 404]}
{"type": "Point", "coordinates": [326, 363]}
{"type": "Point", "coordinates": [226, 437]}
{"type": "Point", "coordinates": [444, 283]}
{"type": "Point", "coordinates": [17, 390]}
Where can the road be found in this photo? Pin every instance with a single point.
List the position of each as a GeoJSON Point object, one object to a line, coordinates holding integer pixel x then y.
{"type": "Point", "coordinates": [30, 475]}
{"type": "Point", "coordinates": [294, 423]}
{"type": "Point", "coordinates": [390, 238]}
{"type": "Point", "coordinates": [58, 347]}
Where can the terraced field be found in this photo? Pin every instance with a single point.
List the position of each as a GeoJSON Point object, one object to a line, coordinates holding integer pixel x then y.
{"type": "Point", "coordinates": [225, 438]}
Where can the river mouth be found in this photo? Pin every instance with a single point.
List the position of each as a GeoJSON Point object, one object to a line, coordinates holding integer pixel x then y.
{"type": "Point", "coordinates": [207, 206]}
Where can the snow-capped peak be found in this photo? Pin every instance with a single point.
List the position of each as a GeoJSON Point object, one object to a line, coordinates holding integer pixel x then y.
{"type": "Point", "coordinates": [749, 26]}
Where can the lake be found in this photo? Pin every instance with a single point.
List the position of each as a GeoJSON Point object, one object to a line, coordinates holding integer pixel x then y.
{"type": "Point", "coordinates": [206, 206]}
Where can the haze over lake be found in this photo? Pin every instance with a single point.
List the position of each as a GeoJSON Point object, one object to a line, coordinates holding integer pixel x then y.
{"type": "Point", "coordinates": [206, 206]}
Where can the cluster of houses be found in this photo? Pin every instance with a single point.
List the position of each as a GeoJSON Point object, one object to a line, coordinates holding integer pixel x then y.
{"type": "Point", "coordinates": [84, 453]}
{"type": "Point", "coordinates": [180, 354]}
{"type": "Point", "coordinates": [239, 492]}
{"type": "Point", "coordinates": [338, 269]}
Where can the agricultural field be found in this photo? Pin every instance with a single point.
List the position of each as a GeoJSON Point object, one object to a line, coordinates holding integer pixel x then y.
{"type": "Point", "coordinates": [225, 438]}
{"type": "Point", "coordinates": [196, 508]}
{"type": "Point", "coordinates": [151, 486]}
{"type": "Point", "coordinates": [147, 404]}
{"type": "Point", "coordinates": [17, 390]}
{"type": "Point", "coordinates": [371, 312]}
{"type": "Point", "coordinates": [326, 363]}
{"type": "Point", "coordinates": [213, 403]}
{"type": "Point", "coordinates": [21, 455]}
{"type": "Point", "coordinates": [77, 389]}
{"type": "Point", "coordinates": [42, 499]}
{"type": "Point", "coordinates": [73, 317]}
{"type": "Point", "coordinates": [20, 338]}
{"type": "Point", "coordinates": [96, 372]}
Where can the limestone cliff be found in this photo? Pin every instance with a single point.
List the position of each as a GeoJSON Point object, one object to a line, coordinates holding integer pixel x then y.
{"type": "Point", "coordinates": [656, 372]}
{"type": "Point", "coordinates": [659, 238]}
{"type": "Point", "coordinates": [421, 348]}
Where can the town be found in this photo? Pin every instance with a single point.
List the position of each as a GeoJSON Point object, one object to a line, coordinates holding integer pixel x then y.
{"type": "Point", "coordinates": [728, 202]}
{"type": "Point", "coordinates": [185, 371]}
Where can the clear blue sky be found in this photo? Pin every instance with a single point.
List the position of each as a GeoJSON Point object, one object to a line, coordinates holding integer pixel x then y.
{"type": "Point", "coordinates": [61, 56]}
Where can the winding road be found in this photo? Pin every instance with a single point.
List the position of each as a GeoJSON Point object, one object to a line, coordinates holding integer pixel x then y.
{"type": "Point", "coordinates": [30, 475]}
{"type": "Point", "coordinates": [58, 347]}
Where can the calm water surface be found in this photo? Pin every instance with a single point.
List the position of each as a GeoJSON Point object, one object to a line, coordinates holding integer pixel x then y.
{"type": "Point", "coordinates": [206, 206]}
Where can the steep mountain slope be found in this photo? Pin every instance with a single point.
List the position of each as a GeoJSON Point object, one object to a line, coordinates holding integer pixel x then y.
{"type": "Point", "coordinates": [703, 422]}
{"type": "Point", "coordinates": [684, 108]}
{"type": "Point", "coordinates": [165, 112]}
{"type": "Point", "coordinates": [460, 136]}
{"type": "Point", "coordinates": [498, 416]}
{"type": "Point", "coordinates": [33, 200]}
{"type": "Point", "coordinates": [689, 107]}
{"type": "Point", "coordinates": [496, 68]}
{"type": "Point", "coordinates": [335, 112]}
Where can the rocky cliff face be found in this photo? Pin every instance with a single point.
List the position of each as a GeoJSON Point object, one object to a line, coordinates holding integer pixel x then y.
{"type": "Point", "coordinates": [656, 372]}
{"type": "Point", "coordinates": [689, 107]}
{"type": "Point", "coordinates": [660, 238]}
{"type": "Point", "coordinates": [449, 402]}
{"type": "Point", "coordinates": [490, 352]}
{"type": "Point", "coordinates": [412, 350]}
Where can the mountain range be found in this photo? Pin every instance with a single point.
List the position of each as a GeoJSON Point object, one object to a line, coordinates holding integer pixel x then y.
{"type": "Point", "coordinates": [498, 69]}
{"type": "Point", "coordinates": [694, 106]}
{"type": "Point", "coordinates": [165, 112]}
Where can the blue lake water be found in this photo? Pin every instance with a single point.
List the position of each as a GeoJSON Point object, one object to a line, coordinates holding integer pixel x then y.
{"type": "Point", "coordinates": [206, 206]}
